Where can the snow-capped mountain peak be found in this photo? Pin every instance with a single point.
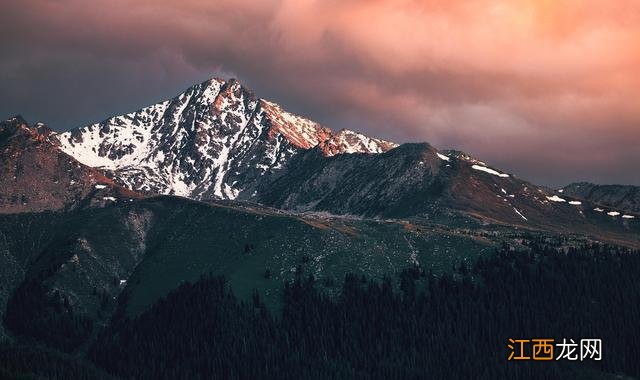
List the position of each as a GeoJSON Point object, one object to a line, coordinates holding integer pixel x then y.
{"type": "Point", "coordinates": [347, 141]}
{"type": "Point", "coordinates": [212, 141]}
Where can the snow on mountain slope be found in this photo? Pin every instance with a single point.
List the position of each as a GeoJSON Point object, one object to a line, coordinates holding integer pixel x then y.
{"type": "Point", "coordinates": [212, 141]}
{"type": "Point", "coordinates": [346, 141]}
{"type": "Point", "coordinates": [217, 140]}
{"type": "Point", "coordinates": [36, 176]}
{"type": "Point", "coordinates": [621, 197]}
{"type": "Point", "coordinates": [418, 181]}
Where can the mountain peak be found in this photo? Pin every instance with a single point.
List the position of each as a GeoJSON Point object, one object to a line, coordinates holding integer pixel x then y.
{"type": "Point", "coordinates": [17, 126]}
{"type": "Point", "coordinates": [218, 84]}
{"type": "Point", "coordinates": [348, 141]}
{"type": "Point", "coordinates": [214, 140]}
{"type": "Point", "coordinates": [16, 119]}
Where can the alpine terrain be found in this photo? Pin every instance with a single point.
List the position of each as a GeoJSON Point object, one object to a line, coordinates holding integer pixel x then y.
{"type": "Point", "coordinates": [215, 140]}
{"type": "Point", "coordinates": [115, 237]}
{"type": "Point", "coordinates": [35, 175]}
{"type": "Point", "coordinates": [619, 197]}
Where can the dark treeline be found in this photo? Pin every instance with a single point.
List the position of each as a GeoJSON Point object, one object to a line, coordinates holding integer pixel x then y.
{"type": "Point", "coordinates": [416, 326]}
{"type": "Point", "coordinates": [33, 361]}
{"type": "Point", "coordinates": [47, 318]}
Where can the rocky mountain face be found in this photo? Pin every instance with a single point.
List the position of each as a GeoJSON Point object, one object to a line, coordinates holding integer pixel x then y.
{"type": "Point", "coordinates": [218, 141]}
{"type": "Point", "coordinates": [36, 175]}
{"type": "Point", "coordinates": [214, 141]}
{"type": "Point", "coordinates": [417, 181]}
{"type": "Point", "coordinates": [616, 197]}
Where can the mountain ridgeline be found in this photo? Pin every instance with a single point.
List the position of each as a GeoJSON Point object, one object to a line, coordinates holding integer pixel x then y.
{"type": "Point", "coordinates": [215, 140]}
{"type": "Point", "coordinates": [619, 197]}
{"type": "Point", "coordinates": [219, 141]}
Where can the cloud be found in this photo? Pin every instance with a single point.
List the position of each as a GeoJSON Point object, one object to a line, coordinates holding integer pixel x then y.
{"type": "Point", "coordinates": [543, 88]}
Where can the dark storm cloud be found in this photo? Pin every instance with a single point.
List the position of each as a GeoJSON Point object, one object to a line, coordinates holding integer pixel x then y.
{"type": "Point", "coordinates": [546, 90]}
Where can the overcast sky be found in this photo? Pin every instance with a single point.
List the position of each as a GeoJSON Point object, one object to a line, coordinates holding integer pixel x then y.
{"type": "Point", "coordinates": [548, 91]}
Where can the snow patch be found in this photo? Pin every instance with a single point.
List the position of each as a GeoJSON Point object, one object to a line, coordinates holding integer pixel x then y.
{"type": "Point", "coordinates": [101, 187]}
{"type": "Point", "coordinates": [490, 171]}
{"type": "Point", "coordinates": [628, 216]}
{"type": "Point", "coordinates": [613, 213]}
{"type": "Point", "coordinates": [347, 141]}
{"type": "Point", "coordinates": [575, 203]}
{"type": "Point", "coordinates": [555, 198]}
{"type": "Point", "coordinates": [443, 157]}
{"type": "Point", "coordinates": [519, 213]}
{"type": "Point", "coordinates": [598, 209]}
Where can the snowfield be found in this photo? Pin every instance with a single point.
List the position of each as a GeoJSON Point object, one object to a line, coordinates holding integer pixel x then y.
{"type": "Point", "coordinates": [490, 171]}
{"type": "Point", "coordinates": [212, 141]}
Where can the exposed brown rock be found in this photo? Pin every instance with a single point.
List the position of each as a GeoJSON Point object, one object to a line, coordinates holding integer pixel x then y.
{"type": "Point", "coordinates": [35, 175]}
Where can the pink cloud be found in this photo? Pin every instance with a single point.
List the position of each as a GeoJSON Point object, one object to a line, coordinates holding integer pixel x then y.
{"type": "Point", "coordinates": [512, 81]}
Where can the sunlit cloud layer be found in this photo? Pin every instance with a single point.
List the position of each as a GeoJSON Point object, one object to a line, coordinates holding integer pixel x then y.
{"type": "Point", "coordinates": [546, 89]}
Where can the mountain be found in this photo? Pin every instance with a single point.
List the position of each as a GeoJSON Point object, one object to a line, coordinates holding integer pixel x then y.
{"type": "Point", "coordinates": [328, 209]}
{"type": "Point", "coordinates": [418, 181]}
{"type": "Point", "coordinates": [99, 226]}
{"type": "Point", "coordinates": [617, 197]}
{"type": "Point", "coordinates": [325, 214]}
{"type": "Point", "coordinates": [214, 141]}
{"type": "Point", "coordinates": [217, 140]}
{"type": "Point", "coordinates": [87, 257]}
{"type": "Point", "coordinates": [280, 191]}
{"type": "Point", "coordinates": [78, 279]}
{"type": "Point", "coordinates": [130, 254]}
{"type": "Point", "coordinates": [36, 175]}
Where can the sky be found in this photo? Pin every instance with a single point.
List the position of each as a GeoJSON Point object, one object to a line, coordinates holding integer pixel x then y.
{"type": "Point", "coordinates": [547, 90]}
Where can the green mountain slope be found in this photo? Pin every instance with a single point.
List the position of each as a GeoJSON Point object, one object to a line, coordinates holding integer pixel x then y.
{"type": "Point", "coordinates": [138, 251]}
{"type": "Point", "coordinates": [149, 247]}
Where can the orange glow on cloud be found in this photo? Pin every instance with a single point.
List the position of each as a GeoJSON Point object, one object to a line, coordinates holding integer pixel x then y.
{"type": "Point", "coordinates": [514, 81]}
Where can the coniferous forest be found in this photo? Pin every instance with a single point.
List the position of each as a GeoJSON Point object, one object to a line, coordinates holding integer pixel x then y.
{"type": "Point", "coordinates": [415, 325]}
